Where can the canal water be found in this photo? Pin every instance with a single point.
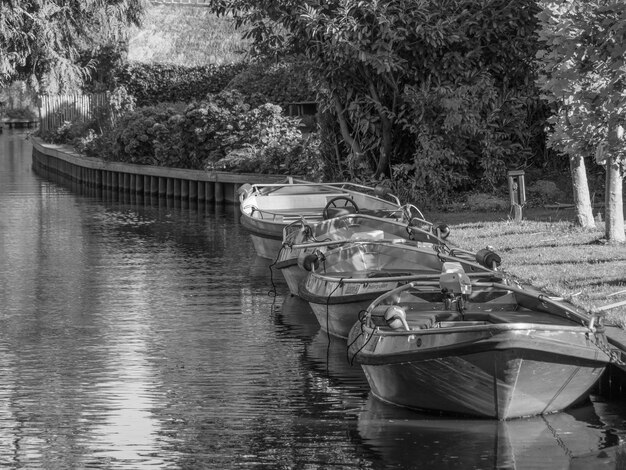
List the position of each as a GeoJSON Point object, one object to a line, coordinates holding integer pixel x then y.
{"type": "Point", "coordinates": [140, 333]}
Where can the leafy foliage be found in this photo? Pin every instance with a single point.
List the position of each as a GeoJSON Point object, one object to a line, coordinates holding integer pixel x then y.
{"type": "Point", "coordinates": [222, 132]}
{"type": "Point", "coordinates": [26, 114]}
{"type": "Point", "coordinates": [438, 92]}
{"type": "Point", "coordinates": [54, 43]}
{"type": "Point", "coordinates": [151, 84]}
{"type": "Point", "coordinates": [277, 83]}
{"type": "Point", "coordinates": [82, 132]}
{"type": "Point", "coordinates": [582, 72]}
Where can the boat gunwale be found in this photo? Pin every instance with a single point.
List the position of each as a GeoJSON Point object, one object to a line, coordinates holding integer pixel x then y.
{"type": "Point", "coordinates": [287, 263]}
{"type": "Point", "coordinates": [257, 187]}
{"type": "Point", "coordinates": [488, 344]}
{"type": "Point", "coordinates": [409, 278]}
{"type": "Point", "coordinates": [480, 270]}
{"type": "Point", "coordinates": [513, 326]}
{"type": "Point", "coordinates": [289, 233]}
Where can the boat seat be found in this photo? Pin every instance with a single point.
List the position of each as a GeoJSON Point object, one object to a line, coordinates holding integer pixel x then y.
{"type": "Point", "coordinates": [332, 212]}
{"type": "Point", "coordinates": [423, 320]}
{"type": "Point", "coordinates": [528, 316]}
{"type": "Point", "coordinates": [420, 320]}
{"type": "Point", "coordinates": [415, 319]}
{"type": "Point", "coordinates": [289, 215]}
{"type": "Point", "coordinates": [288, 201]}
{"type": "Point", "coordinates": [382, 213]}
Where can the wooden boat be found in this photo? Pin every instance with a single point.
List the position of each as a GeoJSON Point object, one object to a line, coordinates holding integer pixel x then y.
{"type": "Point", "coordinates": [344, 281]}
{"type": "Point", "coordinates": [267, 208]}
{"type": "Point", "coordinates": [487, 349]}
{"type": "Point", "coordinates": [303, 242]}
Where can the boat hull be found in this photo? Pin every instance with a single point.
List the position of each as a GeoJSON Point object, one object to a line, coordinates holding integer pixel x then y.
{"type": "Point", "coordinates": [497, 372]}
{"type": "Point", "coordinates": [293, 275]}
{"type": "Point", "coordinates": [337, 305]}
{"type": "Point", "coordinates": [338, 319]}
{"type": "Point", "coordinates": [266, 236]}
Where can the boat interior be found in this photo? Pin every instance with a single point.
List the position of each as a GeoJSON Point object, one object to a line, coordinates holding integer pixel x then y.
{"type": "Point", "coordinates": [317, 206]}
{"type": "Point", "coordinates": [429, 306]}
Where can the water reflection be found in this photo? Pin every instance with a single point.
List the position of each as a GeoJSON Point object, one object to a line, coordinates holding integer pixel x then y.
{"type": "Point", "coordinates": [138, 332]}
{"type": "Point", "coordinates": [406, 439]}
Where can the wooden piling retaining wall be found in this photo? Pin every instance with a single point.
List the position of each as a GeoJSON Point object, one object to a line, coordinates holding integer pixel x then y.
{"type": "Point", "coordinates": [59, 162]}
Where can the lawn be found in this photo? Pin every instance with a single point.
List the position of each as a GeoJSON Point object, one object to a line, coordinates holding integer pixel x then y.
{"type": "Point", "coordinates": [550, 252]}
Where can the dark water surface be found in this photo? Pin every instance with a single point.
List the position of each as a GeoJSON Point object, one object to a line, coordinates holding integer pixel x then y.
{"type": "Point", "coordinates": [140, 334]}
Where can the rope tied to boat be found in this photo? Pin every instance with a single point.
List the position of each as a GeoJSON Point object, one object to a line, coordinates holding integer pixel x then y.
{"type": "Point", "coordinates": [614, 354]}
{"type": "Point", "coordinates": [597, 328]}
{"type": "Point", "coordinates": [362, 319]}
{"type": "Point", "coordinates": [273, 292]}
{"type": "Point", "coordinates": [339, 284]}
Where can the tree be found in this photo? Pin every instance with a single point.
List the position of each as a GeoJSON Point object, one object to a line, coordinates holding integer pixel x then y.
{"type": "Point", "coordinates": [583, 73]}
{"type": "Point", "coordinates": [54, 44]}
{"type": "Point", "coordinates": [434, 89]}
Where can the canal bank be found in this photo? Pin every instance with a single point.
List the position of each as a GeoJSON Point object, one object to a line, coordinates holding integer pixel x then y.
{"type": "Point", "coordinates": [61, 161]}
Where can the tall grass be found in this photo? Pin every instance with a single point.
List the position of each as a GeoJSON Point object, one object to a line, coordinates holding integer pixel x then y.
{"type": "Point", "coordinates": [183, 35]}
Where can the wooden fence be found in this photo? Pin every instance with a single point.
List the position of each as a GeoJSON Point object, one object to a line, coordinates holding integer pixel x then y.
{"type": "Point", "coordinates": [54, 110]}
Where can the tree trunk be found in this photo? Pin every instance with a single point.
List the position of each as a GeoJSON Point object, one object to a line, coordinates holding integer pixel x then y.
{"type": "Point", "coordinates": [386, 130]}
{"type": "Point", "coordinates": [345, 133]}
{"type": "Point", "coordinates": [584, 213]}
{"type": "Point", "coordinates": [614, 217]}
{"type": "Point", "coordinates": [383, 162]}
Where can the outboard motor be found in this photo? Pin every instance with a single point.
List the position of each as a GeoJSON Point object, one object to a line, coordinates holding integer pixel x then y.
{"type": "Point", "coordinates": [455, 285]}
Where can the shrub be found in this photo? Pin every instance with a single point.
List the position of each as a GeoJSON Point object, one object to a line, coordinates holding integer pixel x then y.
{"type": "Point", "coordinates": [134, 137]}
{"type": "Point", "coordinates": [266, 142]}
{"type": "Point", "coordinates": [152, 84]}
{"type": "Point", "coordinates": [222, 132]}
{"type": "Point", "coordinates": [278, 83]}
{"type": "Point", "coordinates": [71, 132]}
{"type": "Point", "coordinates": [25, 114]}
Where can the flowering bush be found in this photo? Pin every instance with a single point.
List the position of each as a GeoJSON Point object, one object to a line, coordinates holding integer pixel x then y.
{"type": "Point", "coordinates": [221, 133]}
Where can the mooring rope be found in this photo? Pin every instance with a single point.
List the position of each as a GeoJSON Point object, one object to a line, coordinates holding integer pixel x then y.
{"type": "Point", "coordinates": [272, 292]}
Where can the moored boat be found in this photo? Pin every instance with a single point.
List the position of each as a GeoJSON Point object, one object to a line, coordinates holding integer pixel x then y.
{"type": "Point", "coordinates": [266, 209]}
{"type": "Point", "coordinates": [487, 349]}
{"type": "Point", "coordinates": [303, 241]}
{"type": "Point", "coordinates": [344, 281]}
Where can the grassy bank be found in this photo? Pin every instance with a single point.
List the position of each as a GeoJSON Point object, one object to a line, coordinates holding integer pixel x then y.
{"type": "Point", "coordinates": [548, 250]}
